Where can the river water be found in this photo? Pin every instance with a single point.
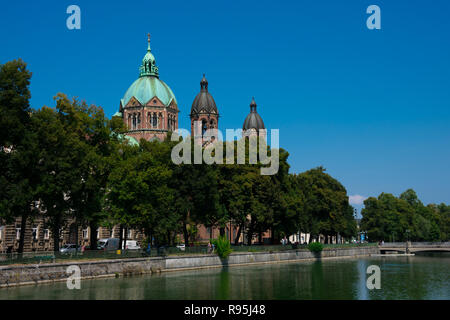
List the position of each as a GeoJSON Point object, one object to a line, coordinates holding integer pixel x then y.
{"type": "Point", "coordinates": [418, 277]}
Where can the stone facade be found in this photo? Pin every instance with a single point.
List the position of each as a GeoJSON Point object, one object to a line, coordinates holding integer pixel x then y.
{"type": "Point", "coordinates": [38, 237]}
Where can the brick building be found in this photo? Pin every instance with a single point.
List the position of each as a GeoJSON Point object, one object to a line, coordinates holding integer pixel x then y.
{"type": "Point", "coordinates": [38, 237]}
{"type": "Point", "coordinates": [149, 108]}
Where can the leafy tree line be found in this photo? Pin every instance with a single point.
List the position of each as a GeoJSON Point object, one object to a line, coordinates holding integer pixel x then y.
{"type": "Point", "coordinates": [72, 163]}
{"type": "Point", "coordinates": [389, 218]}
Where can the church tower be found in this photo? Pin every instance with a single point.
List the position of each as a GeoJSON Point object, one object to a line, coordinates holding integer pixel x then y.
{"type": "Point", "coordinates": [204, 116]}
{"type": "Point", "coordinates": [253, 123]}
{"type": "Point", "coordinates": [149, 108]}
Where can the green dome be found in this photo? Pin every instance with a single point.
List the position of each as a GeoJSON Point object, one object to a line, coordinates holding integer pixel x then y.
{"type": "Point", "coordinates": [147, 87]}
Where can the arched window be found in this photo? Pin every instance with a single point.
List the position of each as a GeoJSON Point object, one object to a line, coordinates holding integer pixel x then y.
{"type": "Point", "coordinates": [138, 120]}
{"type": "Point", "coordinates": [134, 121]}
{"type": "Point", "coordinates": [204, 127]}
{"type": "Point", "coordinates": [155, 120]}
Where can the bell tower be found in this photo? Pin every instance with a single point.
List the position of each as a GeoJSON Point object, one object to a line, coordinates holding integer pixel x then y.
{"type": "Point", "coordinates": [204, 116]}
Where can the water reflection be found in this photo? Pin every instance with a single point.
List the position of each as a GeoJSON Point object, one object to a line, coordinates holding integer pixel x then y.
{"type": "Point", "coordinates": [418, 277]}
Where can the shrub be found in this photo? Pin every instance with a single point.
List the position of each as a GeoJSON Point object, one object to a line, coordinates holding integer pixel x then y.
{"type": "Point", "coordinates": [222, 247]}
{"type": "Point", "coordinates": [315, 247]}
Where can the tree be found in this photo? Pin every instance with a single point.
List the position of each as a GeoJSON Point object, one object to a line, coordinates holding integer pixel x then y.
{"type": "Point", "coordinates": [385, 217]}
{"type": "Point", "coordinates": [14, 102]}
{"type": "Point", "coordinates": [443, 220]}
{"type": "Point", "coordinates": [403, 218]}
{"type": "Point", "coordinates": [247, 198]}
{"type": "Point", "coordinates": [96, 145]}
{"type": "Point", "coordinates": [59, 153]}
{"type": "Point", "coordinates": [294, 218]}
{"type": "Point", "coordinates": [195, 187]}
{"type": "Point", "coordinates": [17, 141]}
{"type": "Point", "coordinates": [138, 193]}
{"type": "Point", "coordinates": [326, 203]}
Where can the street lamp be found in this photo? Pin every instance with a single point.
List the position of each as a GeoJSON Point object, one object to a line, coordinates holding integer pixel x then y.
{"type": "Point", "coordinates": [230, 230]}
{"type": "Point", "coordinates": [407, 239]}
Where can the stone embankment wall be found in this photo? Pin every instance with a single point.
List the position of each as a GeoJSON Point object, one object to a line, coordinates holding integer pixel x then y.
{"type": "Point", "coordinates": [44, 273]}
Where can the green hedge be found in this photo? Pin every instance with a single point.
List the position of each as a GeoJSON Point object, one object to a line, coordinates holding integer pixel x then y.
{"type": "Point", "coordinates": [315, 247]}
{"type": "Point", "coordinates": [222, 247]}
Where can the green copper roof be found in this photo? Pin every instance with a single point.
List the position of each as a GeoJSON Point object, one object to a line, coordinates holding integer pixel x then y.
{"type": "Point", "coordinates": [148, 66]}
{"type": "Point", "coordinates": [132, 141]}
{"type": "Point", "coordinates": [145, 88]}
{"type": "Point", "coordinates": [117, 114]}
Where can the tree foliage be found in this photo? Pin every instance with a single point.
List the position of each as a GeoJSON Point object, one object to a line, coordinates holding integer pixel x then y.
{"type": "Point", "coordinates": [72, 163]}
{"type": "Point", "coordinates": [404, 218]}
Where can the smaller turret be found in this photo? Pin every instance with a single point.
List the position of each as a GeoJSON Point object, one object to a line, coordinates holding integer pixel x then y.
{"type": "Point", "coordinates": [253, 121]}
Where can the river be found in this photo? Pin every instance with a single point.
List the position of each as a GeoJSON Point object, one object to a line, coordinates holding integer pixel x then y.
{"type": "Point", "coordinates": [418, 277]}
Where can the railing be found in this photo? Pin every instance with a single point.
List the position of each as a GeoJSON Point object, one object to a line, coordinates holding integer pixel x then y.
{"type": "Point", "coordinates": [49, 256]}
{"type": "Point", "coordinates": [265, 248]}
{"type": "Point", "coordinates": [394, 244]}
{"type": "Point", "coordinates": [52, 257]}
{"type": "Point", "coordinates": [416, 244]}
{"type": "Point", "coordinates": [425, 244]}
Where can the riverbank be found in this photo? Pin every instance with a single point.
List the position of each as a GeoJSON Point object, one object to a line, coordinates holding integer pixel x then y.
{"type": "Point", "coordinates": [53, 272]}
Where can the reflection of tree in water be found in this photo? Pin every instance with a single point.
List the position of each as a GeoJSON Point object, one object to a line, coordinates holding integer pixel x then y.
{"type": "Point", "coordinates": [253, 282]}
{"type": "Point", "coordinates": [316, 280]}
{"type": "Point", "coordinates": [413, 278]}
{"type": "Point", "coordinates": [333, 279]}
{"type": "Point", "coordinates": [224, 284]}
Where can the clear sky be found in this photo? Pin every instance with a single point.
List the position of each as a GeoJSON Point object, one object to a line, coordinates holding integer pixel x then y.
{"type": "Point", "coordinates": [371, 106]}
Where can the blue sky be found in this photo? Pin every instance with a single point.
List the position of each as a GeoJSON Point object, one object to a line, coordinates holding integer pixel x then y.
{"type": "Point", "coordinates": [371, 106]}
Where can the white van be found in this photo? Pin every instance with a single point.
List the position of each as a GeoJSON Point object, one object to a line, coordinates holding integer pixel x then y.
{"type": "Point", "coordinates": [108, 244]}
{"type": "Point", "coordinates": [131, 245]}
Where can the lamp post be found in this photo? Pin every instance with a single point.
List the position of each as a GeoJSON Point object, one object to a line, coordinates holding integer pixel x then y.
{"type": "Point", "coordinates": [230, 230]}
{"type": "Point", "coordinates": [407, 239]}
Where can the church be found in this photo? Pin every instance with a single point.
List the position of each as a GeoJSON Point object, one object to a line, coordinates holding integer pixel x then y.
{"type": "Point", "coordinates": [149, 110]}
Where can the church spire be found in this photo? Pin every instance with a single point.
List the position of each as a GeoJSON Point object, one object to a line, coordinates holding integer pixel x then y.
{"type": "Point", "coordinates": [148, 66]}
{"type": "Point", "coordinates": [204, 83]}
{"type": "Point", "coordinates": [253, 105]}
{"type": "Point", "coordinates": [148, 40]}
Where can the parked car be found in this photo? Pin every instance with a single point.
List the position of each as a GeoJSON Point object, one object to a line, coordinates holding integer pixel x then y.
{"type": "Point", "coordinates": [182, 247]}
{"type": "Point", "coordinates": [131, 245]}
{"type": "Point", "coordinates": [108, 244]}
{"type": "Point", "coordinates": [69, 248]}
